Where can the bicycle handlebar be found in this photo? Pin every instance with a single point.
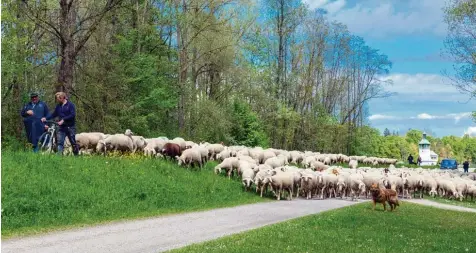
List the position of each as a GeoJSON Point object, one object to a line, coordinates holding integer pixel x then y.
{"type": "Point", "coordinates": [51, 122]}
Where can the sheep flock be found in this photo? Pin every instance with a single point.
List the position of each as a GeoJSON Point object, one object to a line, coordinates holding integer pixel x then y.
{"type": "Point", "coordinates": [307, 174]}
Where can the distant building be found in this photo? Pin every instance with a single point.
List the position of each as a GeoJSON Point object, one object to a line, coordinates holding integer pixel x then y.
{"type": "Point", "coordinates": [428, 157]}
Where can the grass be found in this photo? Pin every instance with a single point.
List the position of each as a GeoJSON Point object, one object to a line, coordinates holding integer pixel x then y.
{"type": "Point", "coordinates": [465, 203]}
{"type": "Point", "coordinates": [412, 228]}
{"type": "Point", "coordinates": [43, 193]}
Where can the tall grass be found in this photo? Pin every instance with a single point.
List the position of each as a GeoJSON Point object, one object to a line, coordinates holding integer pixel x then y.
{"type": "Point", "coordinates": [45, 192]}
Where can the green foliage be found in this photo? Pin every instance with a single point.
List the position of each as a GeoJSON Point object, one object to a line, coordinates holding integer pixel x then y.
{"type": "Point", "coordinates": [48, 192]}
{"type": "Point", "coordinates": [246, 127]}
{"type": "Point", "coordinates": [357, 229]}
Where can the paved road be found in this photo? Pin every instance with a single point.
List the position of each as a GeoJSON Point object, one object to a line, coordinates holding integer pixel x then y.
{"type": "Point", "coordinates": [165, 233]}
{"type": "Point", "coordinates": [427, 202]}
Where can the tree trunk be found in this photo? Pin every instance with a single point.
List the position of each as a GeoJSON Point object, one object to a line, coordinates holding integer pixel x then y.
{"type": "Point", "coordinates": [182, 77]}
{"type": "Point", "coordinates": [67, 53]}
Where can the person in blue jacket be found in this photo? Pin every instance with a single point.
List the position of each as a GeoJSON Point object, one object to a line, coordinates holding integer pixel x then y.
{"type": "Point", "coordinates": [32, 113]}
{"type": "Point", "coordinates": [66, 112]}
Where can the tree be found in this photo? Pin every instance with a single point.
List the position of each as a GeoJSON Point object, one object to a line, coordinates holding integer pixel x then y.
{"type": "Point", "coordinates": [460, 43]}
{"type": "Point", "coordinates": [386, 132]}
{"type": "Point", "coordinates": [71, 29]}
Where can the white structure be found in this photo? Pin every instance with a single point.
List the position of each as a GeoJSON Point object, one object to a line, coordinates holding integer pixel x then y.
{"type": "Point", "coordinates": [428, 157]}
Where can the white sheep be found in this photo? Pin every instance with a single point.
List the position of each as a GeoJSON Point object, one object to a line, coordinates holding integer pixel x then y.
{"type": "Point", "coordinates": [189, 157]}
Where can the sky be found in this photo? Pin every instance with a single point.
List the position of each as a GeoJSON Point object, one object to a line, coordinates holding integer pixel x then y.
{"type": "Point", "coordinates": [411, 33]}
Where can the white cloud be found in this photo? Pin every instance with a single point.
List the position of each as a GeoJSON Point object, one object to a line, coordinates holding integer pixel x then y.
{"type": "Point", "coordinates": [423, 116]}
{"type": "Point", "coordinates": [313, 4]}
{"type": "Point", "coordinates": [424, 87]}
{"type": "Point", "coordinates": [381, 116]}
{"type": "Point", "coordinates": [456, 116]}
{"type": "Point", "coordinates": [381, 18]}
{"type": "Point", "coordinates": [334, 7]}
{"type": "Point", "coordinates": [471, 131]}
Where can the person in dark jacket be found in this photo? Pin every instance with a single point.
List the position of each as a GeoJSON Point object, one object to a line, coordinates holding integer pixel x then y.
{"type": "Point", "coordinates": [66, 112]}
{"type": "Point", "coordinates": [32, 113]}
{"type": "Point", "coordinates": [410, 159]}
{"type": "Point", "coordinates": [466, 166]}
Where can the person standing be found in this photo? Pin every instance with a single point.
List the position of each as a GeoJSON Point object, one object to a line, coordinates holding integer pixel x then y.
{"type": "Point", "coordinates": [410, 159]}
{"type": "Point", "coordinates": [419, 160]}
{"type": "Point", "coordinates": [65, 110]}
{"type": "Point", "coordinates": [466, 166]}
{"type": "Point", "coordinates": [32, 113]}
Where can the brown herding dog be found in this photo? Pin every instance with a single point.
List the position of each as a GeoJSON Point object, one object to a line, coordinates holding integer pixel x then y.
{"type": "Point", "coordinates": [382, 195]}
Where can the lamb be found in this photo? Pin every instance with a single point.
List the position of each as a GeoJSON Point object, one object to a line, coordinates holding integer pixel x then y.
{"type": "Point", "coordinates": [190, 157]}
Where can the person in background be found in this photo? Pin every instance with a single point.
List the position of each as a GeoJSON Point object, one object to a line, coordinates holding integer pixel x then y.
{"type": "Point", "coordinates": [32, 113]}
{"type": "Point", "coordinates": [466, 166]}
{"type": "Point", "coordinates": [410, 159]}
{"type": "Point", "coordinates": [66, 112]}
{"type": "Point", "coordinates": [419, 160]}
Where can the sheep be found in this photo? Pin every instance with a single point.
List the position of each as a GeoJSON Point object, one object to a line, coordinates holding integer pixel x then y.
{"type": "Point", "coordinates": [139, 143]}
{"type": "Point", "coordinates": [180, 141]}
{"type": "Point", "coordinates": [190, 157]}
{"type": "Point", "coordinates": [229, 164]}
{"type": "Point", "coordinates": [275, 162]}
{"type": "Point", "coordinates": [247, 158]}
{"type": "Point", "coordinates": [308, 183]}
{"type": "Point", "coordinates": [259, 180]}
{"type": "Point", "coordinates": [353, 164]}
{"type": "Point", "coordinates": [223, 154]}
{"type": "Point", "coordinates": [247, 175]}
{"type": "Point", "coordinates": [341, 185]}
{"type": "Point", "coordinates": [296, 157]}
{"type": "Point", "coordinates": [116, 142]}
{"type": "Point", "coordinates": [281, 181]}
{"type": "Point", "coordinates": [156, 144]}
{"type": "Point", "coordinates": [213, 150]}
{"type": "Point", "coordinates": [267, 154]}
{"type": "Point", "coordinates": [356, 185]}
{"type": "Point", "coordinates": [88, 140]}
{"type": "Point", "coordinates": [190, 144]}
{"type": "Point", "coordinates": [171, 150]}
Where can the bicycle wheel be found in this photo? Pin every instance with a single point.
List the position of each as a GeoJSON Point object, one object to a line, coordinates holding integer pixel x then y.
{"type": "Point", "coordinates": [45, 143]}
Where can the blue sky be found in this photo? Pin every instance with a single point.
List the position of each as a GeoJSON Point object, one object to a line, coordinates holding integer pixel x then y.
{"type": "Point", "coordinates": [411, 33]}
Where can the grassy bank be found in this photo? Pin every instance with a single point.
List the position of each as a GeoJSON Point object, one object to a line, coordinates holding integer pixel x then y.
{"type": "Point", "coordinates": [412, 228]}
{"type": "Point", "coordinates": [41, 193]}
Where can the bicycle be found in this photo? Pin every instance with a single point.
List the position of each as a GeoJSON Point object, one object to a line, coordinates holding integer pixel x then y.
{"type": "Point", "coordinates": [48, 140]}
